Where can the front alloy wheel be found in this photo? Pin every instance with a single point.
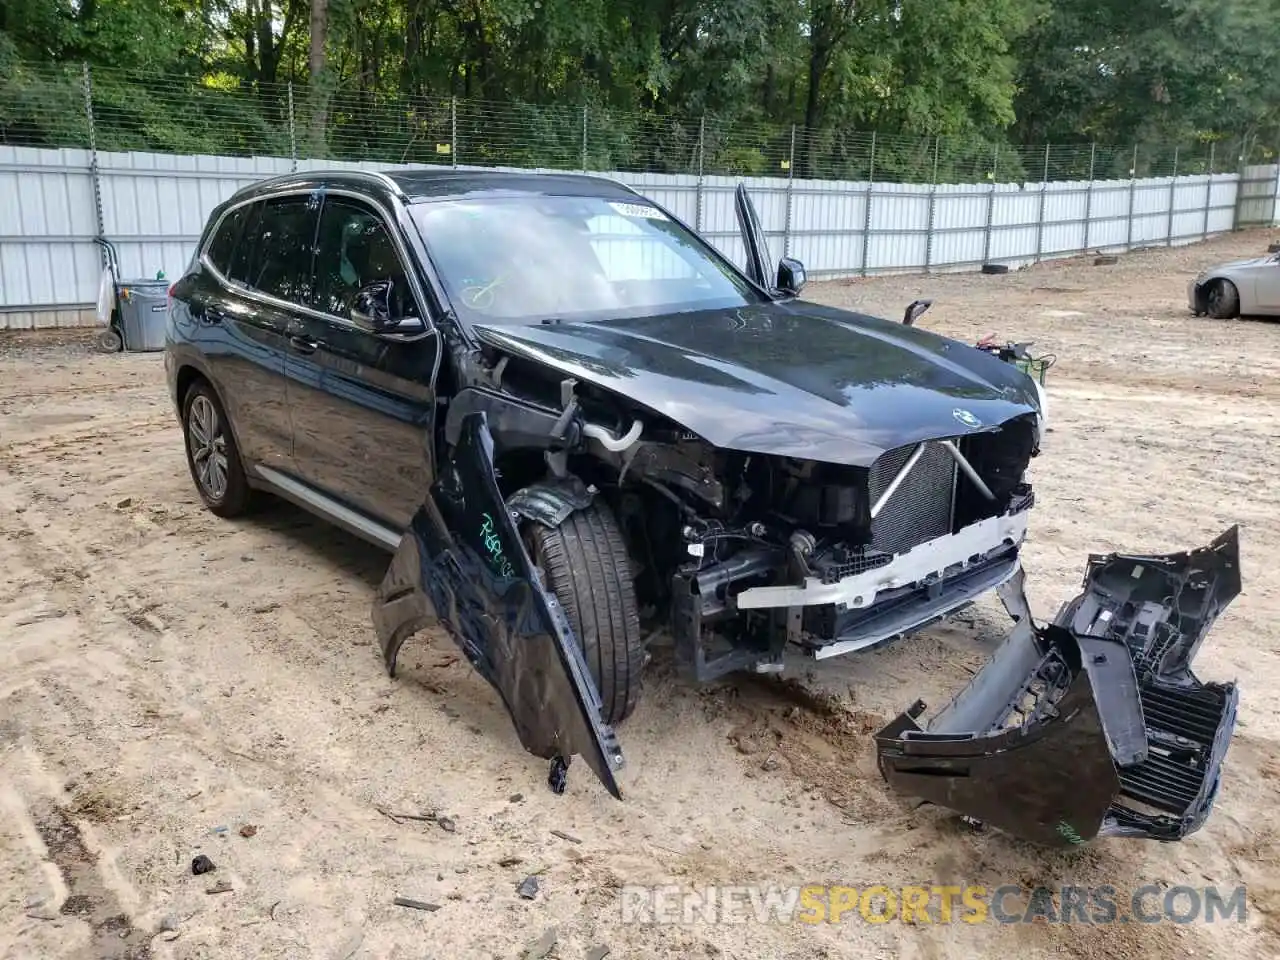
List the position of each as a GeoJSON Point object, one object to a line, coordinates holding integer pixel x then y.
{"type": "Point", "coordinates": [1223, 301]}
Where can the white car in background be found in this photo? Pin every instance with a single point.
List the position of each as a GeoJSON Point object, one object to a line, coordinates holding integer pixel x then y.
{"type": "Point", "coordinates": [1241, 288]}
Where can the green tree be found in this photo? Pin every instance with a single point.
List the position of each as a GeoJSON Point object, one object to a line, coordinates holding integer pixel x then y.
{"type": "Point", "coordinates": [1149, 70]}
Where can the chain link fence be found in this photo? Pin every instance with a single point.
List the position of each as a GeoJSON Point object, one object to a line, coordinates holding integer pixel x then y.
{"type": "Point", "coordinates": [73, 106]}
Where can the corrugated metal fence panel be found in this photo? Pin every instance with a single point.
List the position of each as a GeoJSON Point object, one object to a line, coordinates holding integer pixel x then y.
{"type": "Point", "coordinates": [1109, 215]}
{"type": "Point", "coordinates": [899, 223]}
{"type": "Point", "coordinates": [1222, 205]}
{"type": "Point", "coordinates": [1151, 211]}
{"type": "Point", "coordinates": [154, 207]}
{"type": "Point", "coordinates": [1257, 195]}
{"type": "Point", "coordinates": [1064, 209]}
{"type": "Point", "coordinates": [1015, 211]}
{"type": "Point", "coordinates": [47, 224]}
{"type": "Point", "coordinates": [827, 220]}
{"type": "Point", "coordinates": [1189, 198]}
{"type": "Point", "coordinates": [960, 217]}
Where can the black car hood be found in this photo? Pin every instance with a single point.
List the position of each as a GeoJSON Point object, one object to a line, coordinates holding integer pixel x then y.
{"type": "Point", "coordinates": [796, 379]}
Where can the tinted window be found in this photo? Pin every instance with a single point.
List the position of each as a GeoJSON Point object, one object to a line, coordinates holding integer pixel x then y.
{"type": "Point", "coordinates": [353, 249]}
{"type": "Point", "coordinates": [286, 242]}
{"type": "Point", "coordinates": [242, 259]}
{"type": "Point", "coordinates": [224, 241]}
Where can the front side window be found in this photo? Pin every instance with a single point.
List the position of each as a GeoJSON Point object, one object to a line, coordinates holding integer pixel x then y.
{"type": "Point", "coordinates": [521, 259]}
{"type": "Point", "coordinates": [281, 266]}
{"type": "Point", "coordinates": [354, 249]}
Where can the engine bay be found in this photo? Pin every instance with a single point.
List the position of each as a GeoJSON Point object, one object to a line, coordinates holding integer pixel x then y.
{"type": "Point", "coordinates": [705, 525]}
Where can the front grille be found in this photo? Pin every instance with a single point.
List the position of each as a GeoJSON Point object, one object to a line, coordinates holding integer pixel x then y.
{"type": "Point", "coordinates": [921, 508]}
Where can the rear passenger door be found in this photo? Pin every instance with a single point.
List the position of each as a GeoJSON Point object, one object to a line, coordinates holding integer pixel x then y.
{"type": "Point", "coordinates": [263, 247]}
{"type": "Point", "coordinates": [271, 270]}
{"type": "Point", "coordinates": [361, 405]}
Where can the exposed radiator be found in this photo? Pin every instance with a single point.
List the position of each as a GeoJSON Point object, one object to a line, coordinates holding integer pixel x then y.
{"type": "Point", "coordinates": [922, 507]}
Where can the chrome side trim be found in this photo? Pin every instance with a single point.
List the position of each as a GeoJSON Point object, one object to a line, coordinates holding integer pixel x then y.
{"type": "Point", "coordinates": [327, 508]}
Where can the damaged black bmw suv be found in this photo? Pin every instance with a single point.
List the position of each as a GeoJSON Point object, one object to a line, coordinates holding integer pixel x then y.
{"type": "Point", "coordinates": [575, 422]}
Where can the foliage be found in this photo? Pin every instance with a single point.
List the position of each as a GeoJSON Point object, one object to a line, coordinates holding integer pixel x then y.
{"type": "Point", "coordinates": [954, 89]}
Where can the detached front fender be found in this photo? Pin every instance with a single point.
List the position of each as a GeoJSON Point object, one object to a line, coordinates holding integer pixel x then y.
{"type": "Point", "coordinates": [461, 565]}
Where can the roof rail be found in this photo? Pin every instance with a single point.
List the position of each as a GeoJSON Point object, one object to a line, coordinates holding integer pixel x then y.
{"type": "Point", "coordinates": [614, 180]}
{"type": "Point", "coordinates": [375, 175]}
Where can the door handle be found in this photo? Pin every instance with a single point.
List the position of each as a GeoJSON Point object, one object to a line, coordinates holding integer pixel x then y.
{"type": "Point", "coordinates": [303, 344]}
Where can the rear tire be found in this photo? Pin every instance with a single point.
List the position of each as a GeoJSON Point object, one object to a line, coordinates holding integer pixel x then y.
{"type": "Point", "coordinates": [584, 562]}
{"type": "Point", "coordinates": [1223, 300]}
{"type": "Point", "coordinates": [212, 454]}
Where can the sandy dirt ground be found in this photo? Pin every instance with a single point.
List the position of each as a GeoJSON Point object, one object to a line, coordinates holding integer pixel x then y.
{"type": "Point", "coordinates": [169, 679]}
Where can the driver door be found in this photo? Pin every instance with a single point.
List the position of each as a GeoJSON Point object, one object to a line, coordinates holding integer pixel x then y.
{"type": "Point", "coordinates": [360, 405]}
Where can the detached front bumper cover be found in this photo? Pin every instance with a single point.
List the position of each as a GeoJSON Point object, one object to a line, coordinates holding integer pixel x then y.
{"type": "Point", "coordinates": [1093, 725]}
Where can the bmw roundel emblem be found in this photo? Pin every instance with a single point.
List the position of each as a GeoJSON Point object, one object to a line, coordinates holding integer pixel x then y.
{"type": "Point", "coordinates": [965, 417]}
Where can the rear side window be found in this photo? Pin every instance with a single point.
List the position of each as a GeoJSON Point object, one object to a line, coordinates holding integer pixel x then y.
{"type": "Point", "coordinates": [242, 258]}
{"type": "Point", "coordinates": [224, 241]}
{"type": "Point", "coordinates": [281, 265]}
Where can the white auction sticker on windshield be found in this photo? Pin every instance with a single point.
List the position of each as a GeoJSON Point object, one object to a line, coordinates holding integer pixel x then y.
{"type": "Point", "coordinates": [638, 210]}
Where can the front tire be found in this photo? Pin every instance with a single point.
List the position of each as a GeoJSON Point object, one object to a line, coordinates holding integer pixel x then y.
{"type": "Point", "coordinates": [1223, 301]}
{"type": "Point", "coordinates": [584, 562]}
{"type": "Point", "coordinates": [212, 455]}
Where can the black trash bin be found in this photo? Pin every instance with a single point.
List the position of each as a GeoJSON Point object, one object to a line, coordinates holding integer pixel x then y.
{"type": "Point", "coordinates": [144, 311]}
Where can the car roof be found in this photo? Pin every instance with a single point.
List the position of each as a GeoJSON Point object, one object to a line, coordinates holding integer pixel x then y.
{"type": "Point", "coordinates": [435, 184]}
{"type": "Point", "coordinates": [446, 183]}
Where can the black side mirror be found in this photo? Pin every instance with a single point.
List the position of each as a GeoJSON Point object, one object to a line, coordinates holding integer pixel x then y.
{"type": "Point", "coordinates": [791, 276]}
{"type": "Point", "coordinates": [914, 311]}
{"type": "Point", "coordinates": [371, 307]}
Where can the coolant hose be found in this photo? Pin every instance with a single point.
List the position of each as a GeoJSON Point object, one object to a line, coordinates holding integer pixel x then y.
{"type": "Point", "coordinates": [609, 441]}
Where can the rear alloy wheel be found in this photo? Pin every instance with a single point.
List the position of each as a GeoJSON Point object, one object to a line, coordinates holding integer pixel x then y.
{"type": "Point", "coordinates": [1223, 300]}
{"type": "Point", "coordinates": [212, 454]}
{"type": "Point", "coordinates": [584, 563]}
